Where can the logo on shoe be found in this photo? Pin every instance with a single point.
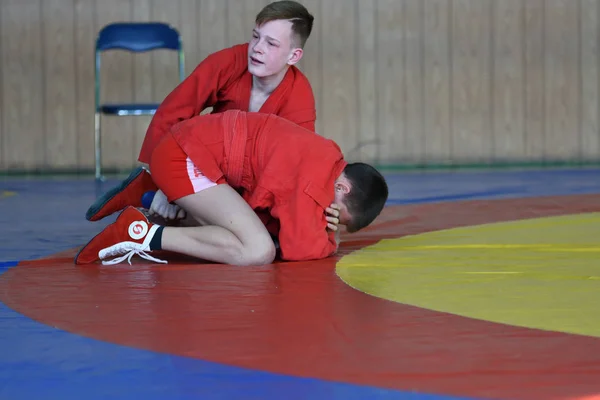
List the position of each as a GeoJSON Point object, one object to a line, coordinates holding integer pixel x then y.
{"type": "Point", "coordinates": [138, 229]}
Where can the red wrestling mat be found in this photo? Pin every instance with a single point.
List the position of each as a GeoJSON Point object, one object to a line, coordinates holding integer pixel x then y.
{"type": "Point", "coordinates": [300, 319]}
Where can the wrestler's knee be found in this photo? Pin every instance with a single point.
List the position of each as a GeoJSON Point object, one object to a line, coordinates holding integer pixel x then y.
{"type": "Point", "coordinates": [259, 253]}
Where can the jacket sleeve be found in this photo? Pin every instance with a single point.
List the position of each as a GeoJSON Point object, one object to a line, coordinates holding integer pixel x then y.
{"type": "Point", "coordinates": [197, 92]}
{"type": "Point", "coordinates": [303, 233]}
{"type": "Point", "coordinates": [300, 107]}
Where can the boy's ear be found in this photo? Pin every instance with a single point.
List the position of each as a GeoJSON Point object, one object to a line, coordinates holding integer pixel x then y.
{"type": "Point", "coordinates": [342, 187]}
{"type": "Point", "coordinates": [295, 56]}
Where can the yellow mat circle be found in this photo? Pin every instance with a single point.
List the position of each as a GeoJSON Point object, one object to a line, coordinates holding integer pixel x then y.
{"type": "Point", "coordinates": [539, 273]}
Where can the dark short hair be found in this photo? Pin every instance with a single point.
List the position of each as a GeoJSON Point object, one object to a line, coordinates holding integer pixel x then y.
{"type": "Point", "coordinates": [367, 197]}
{"type": "Point", "coordinates": [302, 20]}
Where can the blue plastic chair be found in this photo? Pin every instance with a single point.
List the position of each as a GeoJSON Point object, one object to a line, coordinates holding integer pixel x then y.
{"type": "Point", "coordinates": [134, 37]}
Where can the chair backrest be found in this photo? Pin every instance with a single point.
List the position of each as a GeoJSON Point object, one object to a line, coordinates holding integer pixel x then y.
{"type": "Point", "coordinates": [138, 37]}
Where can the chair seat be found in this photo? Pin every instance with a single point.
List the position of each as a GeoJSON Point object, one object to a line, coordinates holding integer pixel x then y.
{"type": "Point", "coordinates": [129, 109]}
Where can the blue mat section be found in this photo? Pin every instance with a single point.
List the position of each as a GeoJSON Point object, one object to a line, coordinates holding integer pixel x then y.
{"type": "Point", "coordinates": [434, 187]}
{"type": "Point", "coordinates": [45, 216]}
{"type": "Point", "coordinates": [4, 265]}
{"type": "Point", "coordinates": [41, 217]}
{"type": "Point", "coordinates": [39, 362]}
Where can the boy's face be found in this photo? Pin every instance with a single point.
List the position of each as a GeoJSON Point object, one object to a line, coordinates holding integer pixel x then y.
{"type": "Point", "coordinates": [271, 49]}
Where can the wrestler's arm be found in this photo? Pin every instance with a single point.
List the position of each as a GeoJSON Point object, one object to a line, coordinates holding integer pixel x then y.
{"type": "Point", "coordinates": [197, 92]}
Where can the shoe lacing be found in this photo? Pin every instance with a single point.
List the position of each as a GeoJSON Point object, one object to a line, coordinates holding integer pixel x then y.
{"type": "Point", "coordinates": [127, 250]}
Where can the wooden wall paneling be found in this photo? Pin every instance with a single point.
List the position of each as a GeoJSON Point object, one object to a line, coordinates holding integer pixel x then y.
{"type": "Point", "coordinates": [535, 48]}
{"type": "Point", "coordinates": [237, 21]}
{"type": "Point", "coordinates": [59, 84]}
{"type": "Point", "coordinates": [212, 32]}
{"type": "Point", "coordinates": [189, 26]}
{"type": "Point", "coordinates": [164, 62]}
{"type": "Point", "coordinates": [472, 138]}
{"type": "Point", "coordinates": [391, 88]}
{"type": "Point", "coordinates": [23, 130]}
{"type": "Point", "coordinates": [156, 73]}
{"type": "Point", "coordinates": [3, 145]}
{"type": "Point", "coordinates": [86, 31]}
{"type": "Point", "coordinates": [394, 81]}
{"type": "Point", "coordinates": [508, 80]}
{"type": "Point", "coordinates": [311, 63]}
{"type": "Point", "coordinates": [339, 106]}
{"type": "Point", "coordinates": [590, 106]}
{"type": "Point", "coordinates": [415, 135]}
{"type": "Point", "coordinates": [562, 139]}
{"type": "Point", "coordinates": [366, 55]}
{"type": "Point", "coordinates": [437, 91]}
{"type": "Point", "coordinates": [143, 65]}
{"type": "Point", "coordinates": [117, 85]}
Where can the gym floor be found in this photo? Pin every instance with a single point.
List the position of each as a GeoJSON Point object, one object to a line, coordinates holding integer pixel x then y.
{"type": "Point", "coordinates": [471, 285]}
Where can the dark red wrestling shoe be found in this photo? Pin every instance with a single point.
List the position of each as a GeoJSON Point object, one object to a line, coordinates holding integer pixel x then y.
{"type": "Point", "coordinates": [127, 193]}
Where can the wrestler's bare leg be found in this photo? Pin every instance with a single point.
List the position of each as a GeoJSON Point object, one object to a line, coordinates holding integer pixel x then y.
{"type": "Point", "coordinates": [232, 233]}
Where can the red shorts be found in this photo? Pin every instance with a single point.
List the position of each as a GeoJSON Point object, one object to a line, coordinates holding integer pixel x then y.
{"type": "Point", "coordinates": [174, 173]}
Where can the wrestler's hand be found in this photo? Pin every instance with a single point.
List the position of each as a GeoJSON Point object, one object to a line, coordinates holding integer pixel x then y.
{"type": "Point", "coordinates": [161, 206]}
{"type": "Point", "coordinates": [333, 216]}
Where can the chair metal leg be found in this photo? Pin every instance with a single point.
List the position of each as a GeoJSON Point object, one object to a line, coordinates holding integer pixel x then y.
{"type": "Point", "coordinates": [97, 147]}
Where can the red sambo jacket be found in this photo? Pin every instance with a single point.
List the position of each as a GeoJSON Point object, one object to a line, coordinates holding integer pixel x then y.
{"type": "Point", "coordinates": [277, 166]}
{"type": "Point", "coordinates": [222, 81]}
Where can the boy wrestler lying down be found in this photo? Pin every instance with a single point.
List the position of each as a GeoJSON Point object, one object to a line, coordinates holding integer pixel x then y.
{"type": "Point", "coordinates": [222, 169]}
